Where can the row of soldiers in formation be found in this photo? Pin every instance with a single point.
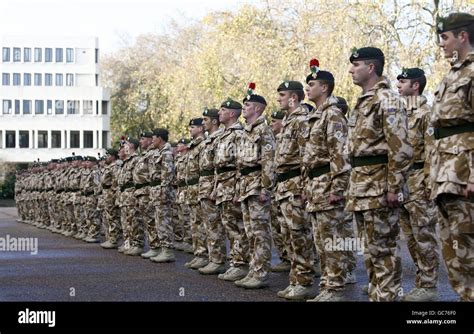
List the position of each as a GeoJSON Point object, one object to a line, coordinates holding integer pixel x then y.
{"type": "Point", "coordinates": [390, 162]}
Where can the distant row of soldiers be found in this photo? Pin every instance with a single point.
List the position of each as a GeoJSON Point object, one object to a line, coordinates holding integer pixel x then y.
{"type": "Point", "coordinates": [302, 181]}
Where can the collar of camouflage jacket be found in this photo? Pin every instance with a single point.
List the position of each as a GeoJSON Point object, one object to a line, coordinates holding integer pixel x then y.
{"type": "Point", "coordinates": [300, 111]}
{"type": "Point", "coordinates": [382, 83]}
{"type": "Point", "coordinates": [166, 147]}
{"type": "Point", "coordinates": [329, 102]}
{"type": "Point", "coordinates": [414, 102]}
{"type": "Point", "coordinates": [236, 126]}
{"type": "Point", "coordinates": [258, 121]}
{"type": "Point", "coordinates": [195, 142]}
{"type": "Point", "coordinates": [469, 59]}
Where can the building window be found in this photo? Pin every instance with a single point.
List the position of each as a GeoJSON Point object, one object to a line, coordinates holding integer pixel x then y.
{"type": "Point", "coordinates": [59, 79]}
{"type": "Point", "coordinates": [6, 54]}
{"type": "Point", "coordinates": [73, 107]}
{"type": "Point", "coordinates": [69, 55]}
{"type": "Point", "coordinates": [7, 107]}
{"type": "Point", "coordinates": [48, 79]}
{"type": "Point", "coordinates": [105, 106]}
{"type": "Point", "coordinates": [88, 139]}
{"type": "Point", "coordinates": [17, 107]}
{"type": "Point", "coordinates": [88, 107]}
{"type": "Point", "coordinates": [26, 107]}
{"type": "Point", "coordinates": [69, 79]}
{"type": "Point", "coordinates": [24, 139]}
{"type": "Point", "coordinates": [38, 55]}
{"type": "Point", "coordinates": [59, 107]}
{"type": "Point", "coordinates": [74, 139]}
{"type": "Point", "coordinates": [105, 139]}
{"type": "Point", "coordinates": [38, 78]}
{"type": "Point", "coordinates": [5, 79]}
{"type": "Point", "coordinates": [48, 55]}
{"type": "Point", "coordinates": [16, 54]}
{"type": "Point", "coordinates": [59, 55]}
{"type": "Point", "coordinates": [96, 56]}
{"type": "Point", "coordinates": [55, 139]}
{"type": "Point", "coordinates": [16, 79]}
{"type": "Point", "coordinates": [49, 107]}
{"type": "Point", "coordinates": [26, 79]}
{"type": "Point", "coordinates": [39, 107]}
{"type": "Point", "coordinates": [27, 55]}
{"type": "Point", "coordinates": [42, 139]}
{"type": "Point", "coordinates": [10, 139]}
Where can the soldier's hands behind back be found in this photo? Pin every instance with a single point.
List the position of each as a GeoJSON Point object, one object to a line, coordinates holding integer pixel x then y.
{"type": "Point", "coordinates": [392, 200]}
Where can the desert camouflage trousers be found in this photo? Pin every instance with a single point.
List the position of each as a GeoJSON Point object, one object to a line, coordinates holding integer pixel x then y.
{"type": "Point", "coordinates": [256, 216]}
{"type": "Point", "coordinates": [111, 219]}
{"type": "Point", "coordinates": [198, 231]}
{"type": "Point", "coordinates": [380, 230]}
{"type": "Point", "coordinates": [456, 219]}
{"type": "Point", "coordinates": [232, 220]}
{"type": "Point", "coordinates": [182, 223]}
{"type": "Point", "coordinates": [89, 225]}
{"type": "Point", "coordinates": [164, 226]}
{"type": "Point", "coordinates": [298, 224]}
{"type": "Point", "coordinates": [418, 223]}
{"type": "Point", "coordinates": [280, 232]}
{"type": "Point", "coordinates": [328, 234]}
{"type": "Point", "coordinates": [214, 230]}
{"type": "Point", "coordinates": [146, 210]}
{"type": "Point", "coordinates": [132, 225]}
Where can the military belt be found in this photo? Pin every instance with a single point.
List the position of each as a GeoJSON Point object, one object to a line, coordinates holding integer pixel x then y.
{"type": "Point", "coordinates": [318, 171]}
{"type": "Point", "coordinates": [440, 133]}
{"type": "Point", "coordinates": [225, 169]}
{"type": "Point", "coordinates": [367, 161]}
{"type": "Point", "coordinates": [418, 165]}
{"type": "Point", "coordinates": [127, 186]}
{"type": "Point", "coordinates": [155, 183]}
{"type": "Point", "coordinates": [59, 191]}
{"type": "Point", "coordinates": [181, 184]}
{"type": "Point", "coordinates": [142, 185]}
{"type": "Point", "coordinates": [247, 170]}
{"type": "Point", "coordinates": [206, 172]}
{"type": "Point", "coordinates": [87, 193]}
{"type": "Point", "coordinates": [192, 182]}
{"type": "Point", "coordinates": [288, 175]}
{"type": "Point", "coordinates": [106, 187]}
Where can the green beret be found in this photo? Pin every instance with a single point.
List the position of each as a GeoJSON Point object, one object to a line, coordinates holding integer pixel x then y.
{"type": "Point", "coordinates": [146, 134]}
{"type": "Point", "coordinates": [278, 115]}
{"type": "Point", "coordinates": [133, 141]}
{"type": "Point", "coordinates": [308, 106]}
{"type": "Point", "coordinates": [320, 75]}
{"type": "Point", "coordinates": [342, 104]}
{"type": "Point", "coordinates": [162, 133]}
{"type": "Point", "coordinates": [231, 104]}
{"type": "Point", "coordinates": [290, 85]}
{"type": "Point", "coordinates": [184, 141]}
{"type": "Point", "coordinates": [89, 158]}
{"type": "Point", "coordinates": [367, 53]}
{"type": "Point", "coordinates": [112, 151]}
{"type": "Point", "coordinates": [212, 113]}
{"type": "Point", "coordinates": [195, 121]}
{"type": "Point", "coordinates": [411, 73]}
{"type": "Point", "coordinates": [453, 21]}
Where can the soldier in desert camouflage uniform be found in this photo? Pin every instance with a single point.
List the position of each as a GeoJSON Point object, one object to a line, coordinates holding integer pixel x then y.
{"type": "Point", "coordinates": [380, 158]}
{"type": "Point", "coordinates": [89, 182]}
{"type": "Point", "coordinates": [198, 228]}
{"type": "Point", "coordinates": [255, 153]}
{"type": "Point", "coordinates": [227, 189]}
{"type": "Point", "coordinates": [452, 171]}
{"type": "Point", "coordinates": [326, 179]}
{"type": "Point", "coordinates": [417, 216]}
{"type": "Point", "coordinates": [289, 190]}
{"type": "Point", "coordinates": [215, 230]}
{"type": "Point", "coordinates": [163, 194]}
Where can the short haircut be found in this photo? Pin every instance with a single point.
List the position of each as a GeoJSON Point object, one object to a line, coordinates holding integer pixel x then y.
{"type": "Point", "coordinates": [422, 81]}
{"type": "Point", "coordinates": [378, 64]}
{"type": "Point", "coordinates": [470, 31]}
{"type": "Point", "coordinates": [330, 85]}
{"type": "Point", "coordinates": [299, 93]}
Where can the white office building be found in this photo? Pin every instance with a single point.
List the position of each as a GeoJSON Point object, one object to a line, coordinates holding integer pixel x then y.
{"type": "Point", "coordinates": [51, 102]}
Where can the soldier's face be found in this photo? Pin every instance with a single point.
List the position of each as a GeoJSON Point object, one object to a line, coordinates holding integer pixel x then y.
{"type": "Point", "coordinates": [224, 115]}
{"type": "Point", "coordinates": [284, 100]}
{"type": "Point", "coordinates": [122, 153]}
{"type": "Point", "coordinates": [249, 110]}
{"type": "Point", "coordinates": [145, 142]}
{"type": "Point", "coordinates": [406, 88]}
{"type": "Point", "coordinates": [181, 148]}
{"type": "Point", "coordinates": [195, 130]}
{"type": "Point", "coordinates": [207, 123]}
{"type": "Point", "coordinates": [360, 72]}
{"type": "Point", "coordinates": [276, 125]}
{"type": "Point", "coordinates": [314, 90]}
{"type": "Point", "coordinates": [449, 43]}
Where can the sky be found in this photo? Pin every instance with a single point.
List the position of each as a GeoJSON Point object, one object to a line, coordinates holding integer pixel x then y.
{"type": "Point", "coordinates": [112, 21]}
